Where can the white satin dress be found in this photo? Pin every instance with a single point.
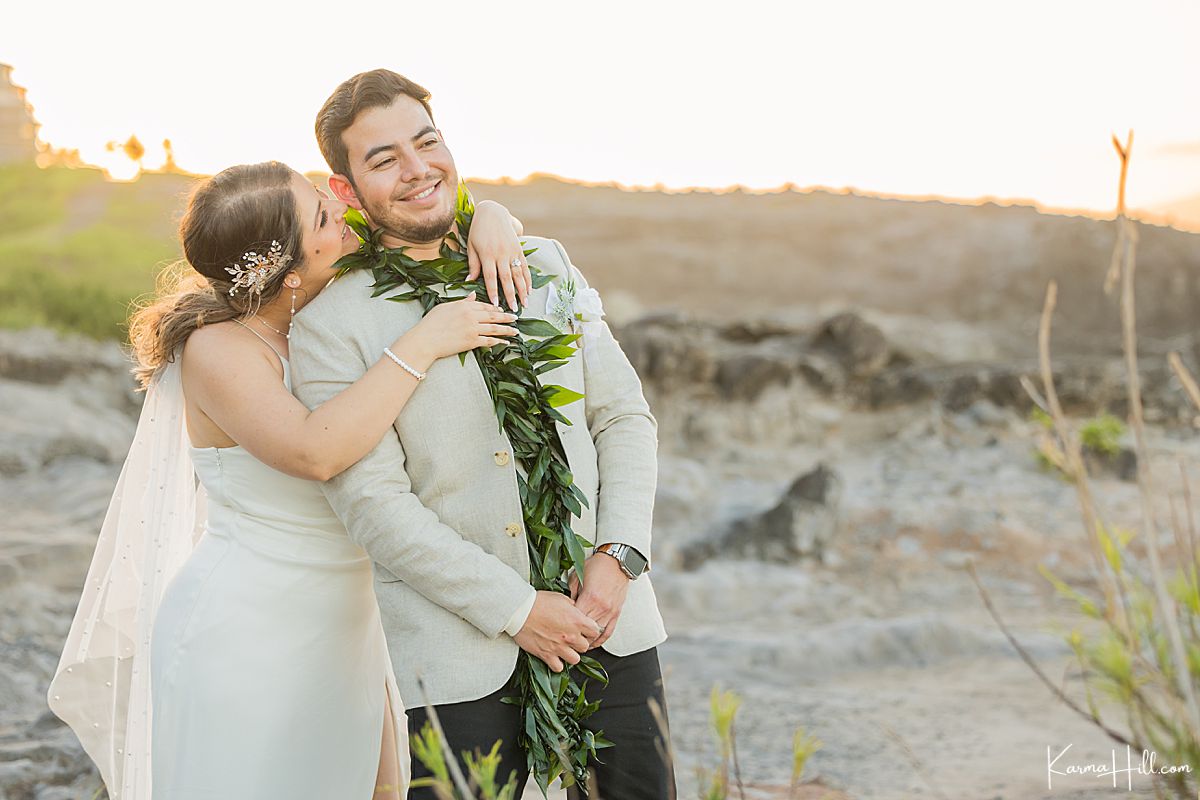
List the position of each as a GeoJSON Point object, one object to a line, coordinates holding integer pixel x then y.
{"type": "Point", "coordinates": [269, 666]}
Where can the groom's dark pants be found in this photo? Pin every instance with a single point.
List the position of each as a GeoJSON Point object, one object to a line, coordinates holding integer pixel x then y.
{"type": "Point", "coordinates": [634, 767]}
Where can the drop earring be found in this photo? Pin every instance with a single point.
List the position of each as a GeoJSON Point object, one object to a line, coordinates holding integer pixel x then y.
{"type": "Point", "coordinates": [292, 319]}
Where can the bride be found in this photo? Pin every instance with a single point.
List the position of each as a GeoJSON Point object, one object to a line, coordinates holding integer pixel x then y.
{"type": "Point", "coordinates": [227, 643]}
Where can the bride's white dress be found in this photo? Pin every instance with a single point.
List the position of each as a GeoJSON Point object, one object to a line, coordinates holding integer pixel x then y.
{"type": "Point", "coordinates": [269, 666]}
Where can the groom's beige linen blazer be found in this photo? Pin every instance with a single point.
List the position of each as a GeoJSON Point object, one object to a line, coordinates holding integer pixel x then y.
{"type": "Point", "coordinates": [436, 503]}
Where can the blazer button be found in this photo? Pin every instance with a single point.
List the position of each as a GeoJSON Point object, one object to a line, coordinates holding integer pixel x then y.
{"type": "Point", "coordinates": [512, 529]}
{"type": "Point", "coordinates": [501, 457]}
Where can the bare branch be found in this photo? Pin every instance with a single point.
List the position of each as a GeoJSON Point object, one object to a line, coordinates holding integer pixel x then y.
{"type": "Point", "coordinates": [1033, 665]}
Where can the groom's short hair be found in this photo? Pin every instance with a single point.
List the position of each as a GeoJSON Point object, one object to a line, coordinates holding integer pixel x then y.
{"type": "Point", "coordinates": [378, 88]}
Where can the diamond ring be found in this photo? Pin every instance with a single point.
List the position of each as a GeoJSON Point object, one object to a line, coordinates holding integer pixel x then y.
{"type": "Point", "coordinates": [515, 263]}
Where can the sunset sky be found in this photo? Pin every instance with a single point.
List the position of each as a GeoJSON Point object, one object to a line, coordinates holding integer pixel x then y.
{"type": "Point", "coordinates": [963, 99]}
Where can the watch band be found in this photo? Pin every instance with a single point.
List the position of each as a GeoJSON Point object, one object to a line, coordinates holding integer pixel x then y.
{"type": "Point", "coordinates": [633, 563]}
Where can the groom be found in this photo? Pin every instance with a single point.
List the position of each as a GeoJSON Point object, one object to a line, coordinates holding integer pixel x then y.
{"type": "Point", "coordinates": [436, 503]}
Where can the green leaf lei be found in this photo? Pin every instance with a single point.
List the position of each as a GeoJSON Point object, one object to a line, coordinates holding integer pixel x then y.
{"type": "Point", "coordinates": [553, 738]}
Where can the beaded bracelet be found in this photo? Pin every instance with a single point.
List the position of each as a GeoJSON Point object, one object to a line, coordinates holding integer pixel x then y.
{"type": "Point", "coordinates": [387, 351]}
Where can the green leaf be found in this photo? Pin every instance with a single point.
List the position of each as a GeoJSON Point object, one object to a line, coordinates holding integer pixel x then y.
{"type": "Point", "coordinates": [551, 341]}
{"type": "Point", "coordinates": [572, 504]}
{"type": "Point", "coordinates": [559, 351]}
{"type": "Point", "coordinates": [542, 532]}
{"type": "Point", "coordinates": [568, 338]}
{"type": "Point", "coordinates": [512, 388]}
{"type": "Point", "coordinates": [578, 495]}
{"type": "Point", "coordinates": [523, 426]}
{"type": "Point", "coordinates": [565, 478]}
{"type": "Point", "coordinates": [539, 466]}
{"type": "Point", "coordinates": [542, 507]}
{"type": "Point", "coordinates": [563, 396]}
{"type": "Point", "coordinates": [552, 563]}
{"type": "Point", "coordinates": [464, 204]}
{"type": "Point", "coordinates": [534, 326]}
{"type": "Point", "coordinates": [577, 556]}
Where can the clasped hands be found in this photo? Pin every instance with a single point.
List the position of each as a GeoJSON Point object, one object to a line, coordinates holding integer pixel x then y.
{"type": "Point", "coordinates": [560, 628]}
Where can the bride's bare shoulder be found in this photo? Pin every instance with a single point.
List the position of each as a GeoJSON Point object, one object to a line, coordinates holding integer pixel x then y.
{"type": "Point", "coordinates": [221, 346]}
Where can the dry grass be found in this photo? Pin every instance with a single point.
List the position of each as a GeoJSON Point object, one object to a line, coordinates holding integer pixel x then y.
{"type": "Point", "coordinates": [1145, 654]}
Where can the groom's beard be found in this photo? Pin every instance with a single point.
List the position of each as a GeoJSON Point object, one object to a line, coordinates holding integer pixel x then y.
{"type": "Point", "coordinates": [416, 232]}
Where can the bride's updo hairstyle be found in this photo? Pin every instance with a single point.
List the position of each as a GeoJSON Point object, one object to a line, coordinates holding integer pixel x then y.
{"type": "Point", "coordinates": [239, 210]}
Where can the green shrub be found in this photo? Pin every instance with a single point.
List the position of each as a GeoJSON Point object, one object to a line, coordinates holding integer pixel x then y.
{"type": "Point", "coordinates": [1099, 436]}
{"type": "Point", "coordinates": [1102, 435]}
{"type": "Point", "coordinates": [75, 249]}
{"type": "Point", "coordinates": [715, 783]}
{"type": "Point", "coordinates": [428, 748]}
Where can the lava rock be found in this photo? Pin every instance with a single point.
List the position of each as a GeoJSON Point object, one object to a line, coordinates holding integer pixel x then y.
{"type": "Point", "coordinates": [859, 346]}
{"type": "Point", "coordinates": [799, 526]}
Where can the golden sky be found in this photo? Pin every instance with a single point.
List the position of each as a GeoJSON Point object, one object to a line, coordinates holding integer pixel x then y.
{"type": "Point", "coordinates": [1011, 99]}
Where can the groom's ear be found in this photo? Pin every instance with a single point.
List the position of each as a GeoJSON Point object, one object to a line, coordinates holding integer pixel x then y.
{"type": "Point", "coordinates": [343, 189]}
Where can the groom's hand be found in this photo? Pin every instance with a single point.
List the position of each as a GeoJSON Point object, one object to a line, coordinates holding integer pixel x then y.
{"type": "Point", "coordinates": [556, 631]}
{"type": "Point", "coordinates": [605, 586]}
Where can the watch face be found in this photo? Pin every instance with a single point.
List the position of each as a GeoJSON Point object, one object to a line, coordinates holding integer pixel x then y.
{"type": "Point", "coordinates": [634, 562]}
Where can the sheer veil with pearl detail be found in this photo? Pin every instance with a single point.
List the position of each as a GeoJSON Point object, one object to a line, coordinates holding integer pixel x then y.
{"type": "Point", "coordinates": [101, 688]}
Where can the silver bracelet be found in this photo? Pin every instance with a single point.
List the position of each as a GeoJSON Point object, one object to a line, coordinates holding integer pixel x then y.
{"type": "Point", "coordinates": [387, 351]}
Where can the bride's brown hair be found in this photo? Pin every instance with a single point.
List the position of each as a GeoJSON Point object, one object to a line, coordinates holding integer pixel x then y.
{"type": "Point", "coordinates": [240, 209]}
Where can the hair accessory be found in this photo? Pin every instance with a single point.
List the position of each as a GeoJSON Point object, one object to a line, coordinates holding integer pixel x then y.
{"type": "Point", "coordinates": [253, 274]}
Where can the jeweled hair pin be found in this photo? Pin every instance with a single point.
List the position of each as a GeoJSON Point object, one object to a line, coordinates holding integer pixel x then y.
{"type": "Point", "coordinates": [253, 272]}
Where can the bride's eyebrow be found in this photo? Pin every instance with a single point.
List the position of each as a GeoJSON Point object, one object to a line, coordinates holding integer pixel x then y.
{"type": "Point", "coordinates": [317, 216]}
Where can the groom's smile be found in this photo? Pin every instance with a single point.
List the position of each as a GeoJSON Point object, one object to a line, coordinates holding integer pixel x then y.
{"type": "Point", "coordinates": [403, 176]}
{"type": "Point", "coordinates": [424, 195]}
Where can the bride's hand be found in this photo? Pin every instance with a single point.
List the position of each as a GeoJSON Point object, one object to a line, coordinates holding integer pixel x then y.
{"type": "Point", "coordinates": [456, 326]}
{"type": "Point", "coordinates": [491, 250]}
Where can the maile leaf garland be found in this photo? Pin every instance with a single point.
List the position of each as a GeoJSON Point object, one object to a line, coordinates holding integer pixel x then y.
{"type": "Point", "coordinates": [553, 704]}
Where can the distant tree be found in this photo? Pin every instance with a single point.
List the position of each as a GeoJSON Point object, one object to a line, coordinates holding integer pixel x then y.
{"type": "Point", "coordinates": [59, 157]}
{"type": "Point", "coordinates": [132, 147]}
{"type": "Point", "coordinates": [134, 150]}
{"type": "Point", "coordinates": [169, 165]}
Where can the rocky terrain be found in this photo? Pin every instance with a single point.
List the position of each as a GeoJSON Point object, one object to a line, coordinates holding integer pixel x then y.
{"type": "Point", "coordinates": [822, 490]}
{"type": "Point", "coordinates": [843, 430]}
{"type": "Point", "coordinates": [822, 487]}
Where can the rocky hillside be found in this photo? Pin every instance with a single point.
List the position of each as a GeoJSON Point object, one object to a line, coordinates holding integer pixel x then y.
{"type": "Point", "coordinates": [728, 256]}
{"type": "Point", "coordinates": [74, 248]}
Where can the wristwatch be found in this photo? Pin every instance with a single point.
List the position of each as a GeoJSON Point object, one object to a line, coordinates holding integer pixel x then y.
{"type": "Point", "coordinates": [633, 563]}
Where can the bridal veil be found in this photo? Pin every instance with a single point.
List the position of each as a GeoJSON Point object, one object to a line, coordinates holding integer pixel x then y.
{"type": "Point", "coordinates": [102, 685]}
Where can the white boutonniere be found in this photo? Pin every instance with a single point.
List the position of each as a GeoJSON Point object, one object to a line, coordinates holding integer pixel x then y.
{"type": "Point", "coordinates": [576, 310]}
